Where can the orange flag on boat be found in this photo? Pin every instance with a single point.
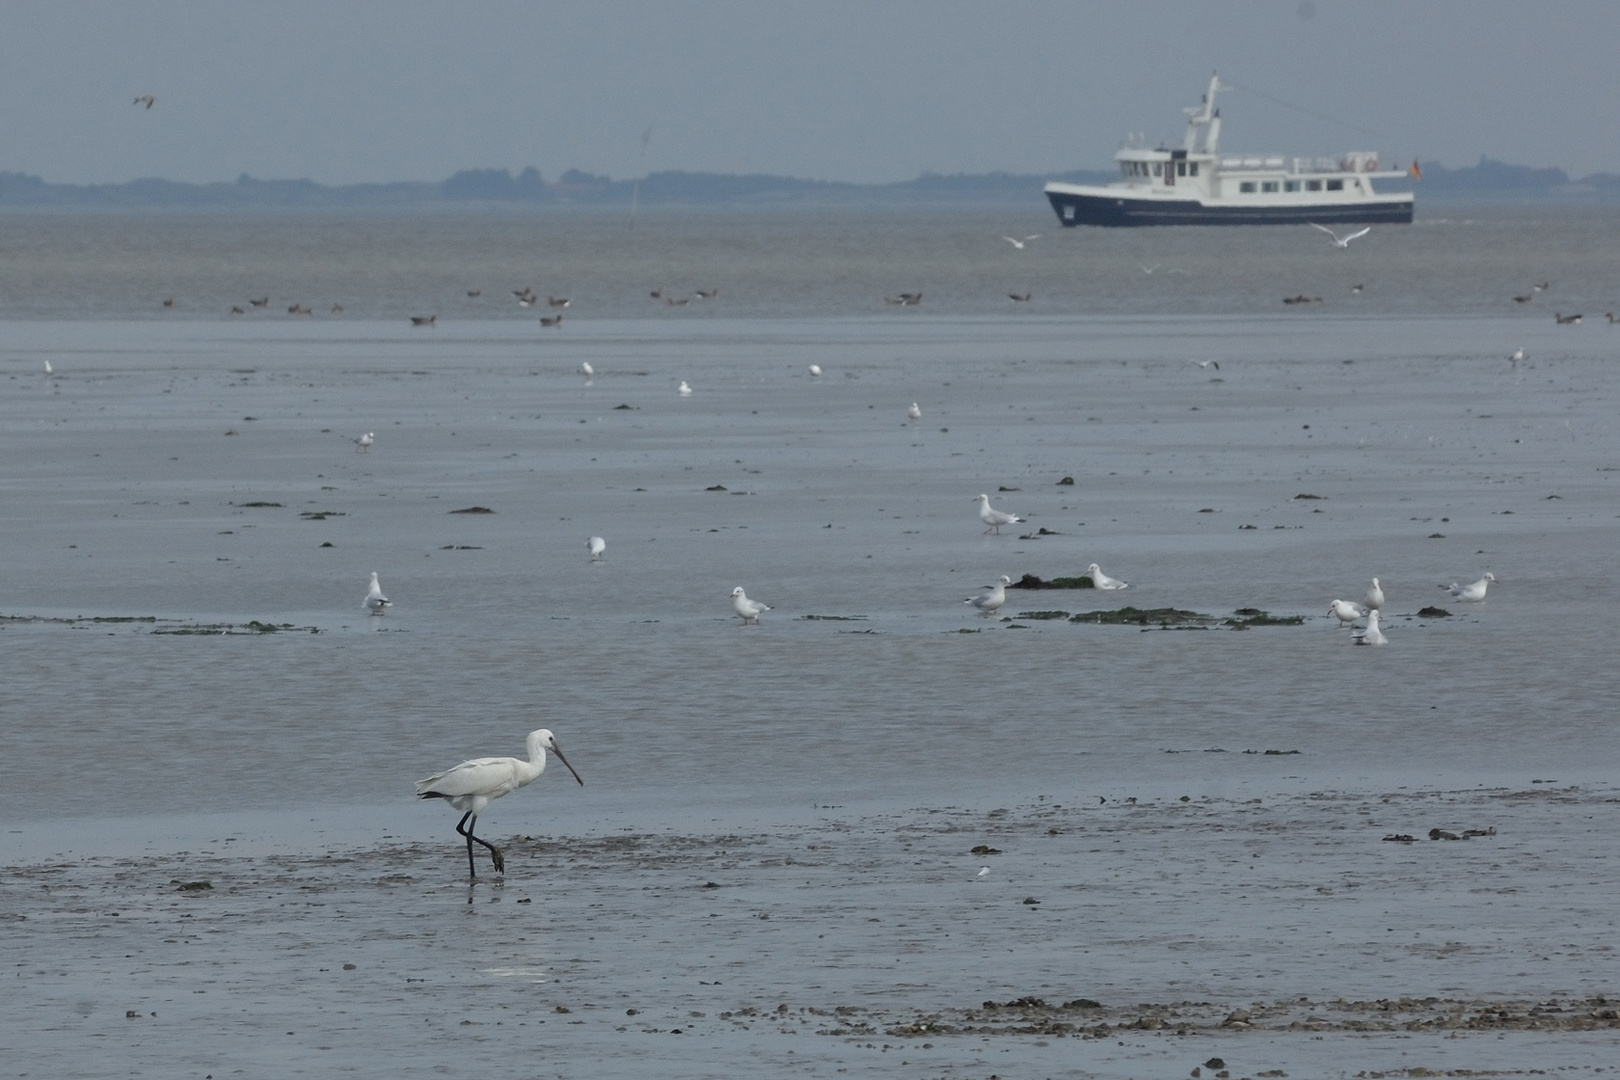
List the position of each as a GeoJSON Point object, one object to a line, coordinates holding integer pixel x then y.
{"type": "Point", "coordinates": [1417, 173]}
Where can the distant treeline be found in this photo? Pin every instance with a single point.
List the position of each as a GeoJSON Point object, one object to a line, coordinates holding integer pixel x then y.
{"type": "Point", "coordinates": [1488, 181]}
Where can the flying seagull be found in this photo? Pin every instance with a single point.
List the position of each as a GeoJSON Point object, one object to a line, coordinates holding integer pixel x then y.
{"type": "Point", "coordinates": [1019, 244]}
{"type": "Point", "coordinates": [1342, 241]}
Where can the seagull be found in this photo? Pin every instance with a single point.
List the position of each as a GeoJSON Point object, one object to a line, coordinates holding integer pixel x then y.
{"type": "Point", "coordinates": [994, 518]}
{"type": "Point", "coordinates": [914, 413]}
{"type": "Point", "coordinates": [683, 389]}
{"type": "Point", "coordinates": [586, 370]}
{"type": "Point", "coordinates": [1342, 241]}
{"type": "Point", "coordinates": [1356, 289]}
{"type": "Point", "coordinates": [551, 320]}
{"type": "Point", "coordinates": [1344, 611]}
{"type": "Point", "coordinates": [815, 369]}
{"type": "Point", "coordinates": [1372, 635]}
{"type": "Point", "coordinates": [1474, 593]}
{"type": "Point", "coordinates": [984, 871]}
{"type": "Point", "coordinates": [48, 369]}
{"type": "Point", "coordinates": [473, 785]}
{"type": "Point", "coordinates": [1207, 364]}
{"type": "Point", "coordinates": [1375, 597]}
{"type": "Point", "coordinates": [597, 545]}
{"type": "Point", "coordinates": [1518, 354]}
{"type": "Point", "coordinates": [1100, 580]}
{"type": "Point", "coordinates": [990, 601]}
{"type": "Point", "coordinates": [363, 444]}
{"type": "Point", "coordinates": [424, 320]}
{"type": "Point", "coordinates": [146, 99]}
{"type": "Point", "coordinates": [375, 600]}
{"type": "Point", "coordinates": [1019, 244]}
{"type": "Point", "coordinates": [748, 609]}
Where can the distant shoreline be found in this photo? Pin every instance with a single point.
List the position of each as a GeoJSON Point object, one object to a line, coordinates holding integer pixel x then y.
{"type": "Point", "coordinates": [497, 191]}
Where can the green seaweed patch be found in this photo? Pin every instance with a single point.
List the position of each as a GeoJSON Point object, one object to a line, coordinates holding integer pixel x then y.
{"type": "Point", "coordinates": [834, 618]}
{"type": "Point", "coordinates": [1131, 616]}
{"type": "Point", "coordinates": [1433, 613]}
{"type": "Point", "coordinates": [1244, 618]}
{"type": "Point", "coordinates": [196, 886]}
{"type": "Point", "coordinates": [473, 510]}
{"type": "Point", "coordinates": [321, 515]}
{"type": "Point", "coordinates": [217, 629]}
{"type": "Point", "coordinates": [123, 618]}
{"type": "Point", "coordinates": [263, 504]}
{"type": "Point", "coordinates": [1043, 615]}
{"type": "Point", "coordinates": [1030, 581]}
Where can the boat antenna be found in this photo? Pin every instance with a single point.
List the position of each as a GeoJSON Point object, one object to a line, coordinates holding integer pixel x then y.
{"type": "Point", "coordinates": [1301, 109]}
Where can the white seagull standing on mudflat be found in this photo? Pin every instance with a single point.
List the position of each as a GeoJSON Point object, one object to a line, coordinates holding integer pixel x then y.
{"type": "Point", "coordinates": [1474, 593]}
{"type": "Point", "coordinates": [994, 518]}
{"type": "Point", "coordinates": [990, 601]}
{"type": "Point", "coordinates": [748, 609]}
{"type": "Point", "coordinates": [375, 600]}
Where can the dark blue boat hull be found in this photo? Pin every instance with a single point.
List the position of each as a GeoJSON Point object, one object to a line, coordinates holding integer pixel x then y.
{"type": "Point", "coordinates": [1111, 211]}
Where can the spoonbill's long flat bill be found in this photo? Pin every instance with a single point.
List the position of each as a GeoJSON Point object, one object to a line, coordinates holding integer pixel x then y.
{"type": "Point", "coordinates": [473, 785]}
{"type": "Point", "coordinates": [1474, 593]}
{"type": "Point", "coordinates": [1343, 241]}
{"type": "Point", "coordinates": [994, 518]}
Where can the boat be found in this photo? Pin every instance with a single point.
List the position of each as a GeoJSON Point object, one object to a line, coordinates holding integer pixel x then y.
{"type": "Point", "coordinates": [1199, 185]}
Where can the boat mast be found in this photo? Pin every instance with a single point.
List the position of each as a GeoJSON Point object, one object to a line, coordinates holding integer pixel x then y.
{"type": "Point", "coordinates": [1204, 116]}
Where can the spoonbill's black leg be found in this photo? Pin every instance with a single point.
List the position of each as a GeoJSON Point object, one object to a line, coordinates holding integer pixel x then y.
{"type": "Point", "coordinates": [494, 852]}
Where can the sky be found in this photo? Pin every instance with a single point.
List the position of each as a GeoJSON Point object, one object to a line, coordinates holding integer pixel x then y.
{"type": "Point", "coordinates": [868, 91]}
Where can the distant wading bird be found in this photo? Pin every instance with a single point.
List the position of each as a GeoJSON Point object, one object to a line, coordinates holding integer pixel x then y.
{"type": "Point", "coordinates": [473, 785]}
{"type": "Point", "coordinates": [990, 600]}
{"type": "Point", "coordinates": [1342, 241]}
{"type": "Point", "coordinates": [994, 518]}
{"type": "Point", "coordinates": [914, 413]}
{"type": "Point", "coordinates": [363, 443]}
{"type": "Point", "coordinates": [596, 546]}
{"type": "Point", "coordinates": [375, 600]}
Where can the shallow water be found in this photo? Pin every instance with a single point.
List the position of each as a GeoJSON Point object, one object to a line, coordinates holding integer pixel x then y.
{"type": "Point", "coordinates": [128, 470]}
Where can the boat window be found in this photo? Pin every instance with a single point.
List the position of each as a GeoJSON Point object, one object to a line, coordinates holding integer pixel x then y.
{"type": "Point", "coordinates": [1068, 213]}
{"type": "Point", "coordinates": [1269, 185]}
{"type": "Point", "coordinates": [1246, 186]}
{"type": "Point", "coordinates": [1155, 168]}
{"type": "Point", "coordinates": [1192, 169]}
{"type": "Point", "coordinates": [1335, 185]}
{"type": "Point", "coordinates": [1290, 185]}
{"type": "Point", "coordinates": [1313, 185]}
{"type": "Point", "coordinates": [1181, 168]}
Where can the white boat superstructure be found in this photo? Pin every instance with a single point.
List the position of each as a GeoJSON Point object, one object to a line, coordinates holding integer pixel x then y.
{"type": "Point", "coordinates": [1199, 185]}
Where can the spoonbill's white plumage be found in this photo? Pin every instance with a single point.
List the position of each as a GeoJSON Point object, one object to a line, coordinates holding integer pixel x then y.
{"type": "Point", "coordinates": [1342, 241]}
{"type": "Point", "coordinates": [1474, 593]}
{"type": "Point", "coordinates": [375, 600]}
{"type": "Point", "coordinates": [1100, 580]}
{"type": "Point", "coordinates": [1374, 600]}
{"type": "Point", "coordinates": [748, 609]}
{"type": "Point", "coordinates": [990, 601]}
{"type": "Point", "coordinates": [994, 518]}
{"type": "Point", "coordinates": [1344, 611]}
{"type": "Point", "coordinates": [1372, 635]}
{"type": "Point", "coordinates": [683, 389]}
{"type": "Point", "coordinates": [363, 443]}
{"type": "Point", "coordinates": [1019, 244]}
{"type": "Point", "coordinates": [597, 545]}
{"type": "Point", "coordinates": [815, 369]}
{"type": "Point", "coordinates": [473, 785]}
{"type": "Point", "coordinates": [914, 413]}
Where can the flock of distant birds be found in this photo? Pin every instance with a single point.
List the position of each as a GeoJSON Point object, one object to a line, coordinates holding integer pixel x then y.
{"type": "Point", "coordinates": [1347, 612]}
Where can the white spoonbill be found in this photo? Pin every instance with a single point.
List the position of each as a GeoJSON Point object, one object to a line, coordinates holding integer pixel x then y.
{"type": "Point", "coordinates": [1474, 593]}
{"type": "Point", "coordinates": [1342, 241]}
{"type": "Point", "coordinates": [994, 518]}
{"type": "Point", "coordinates": [748, 609]}
{"type": "Point", "coordinates": [597, 545]}
{"type": "Point", "coordinates": [990, 601]}
{"type": "Point", "coordinates": [363, 443]}
{"type": "Point", "coordinates": [473, 785]}
{"type": "Point", "coordinates": [375, 600]}
{"type": "Point", "coordinates": [1375, 597]}
{"type": "Point", "coordinates": [1100, 580]}
{"type": "Point", "coordinates": [1372, 635]}
{"type": "Point", "coordinates": [1344, 611]}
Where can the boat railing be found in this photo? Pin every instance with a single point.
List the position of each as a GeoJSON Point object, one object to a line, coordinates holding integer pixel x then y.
{"type": "Point", "coordinates": [1360, 161]}
{"type": "Point", "coordinates": [1244, 162]}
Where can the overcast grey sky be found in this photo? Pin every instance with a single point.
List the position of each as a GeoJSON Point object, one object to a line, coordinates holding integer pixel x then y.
{"type": "Point", "coordinates": [864, 90]}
